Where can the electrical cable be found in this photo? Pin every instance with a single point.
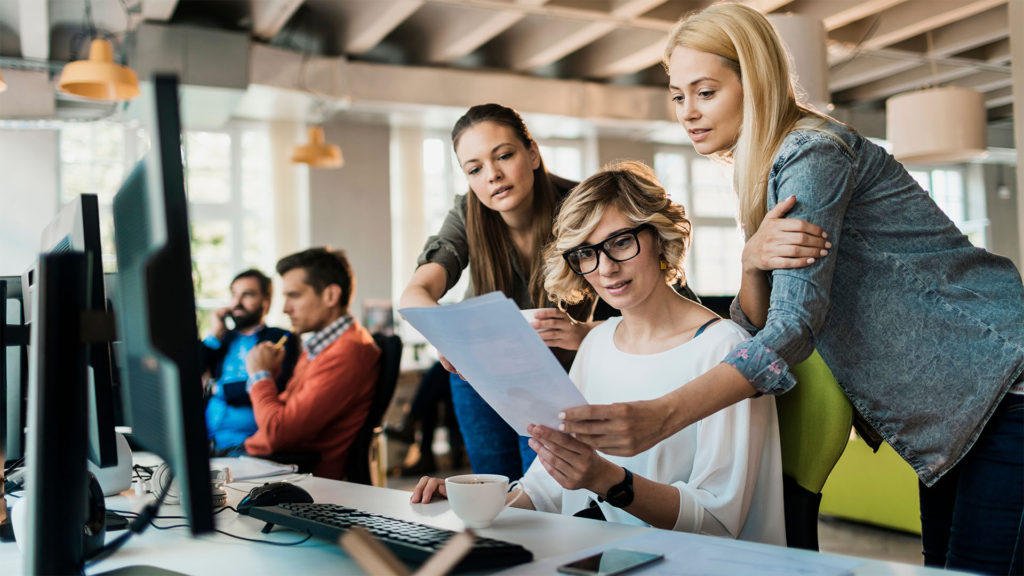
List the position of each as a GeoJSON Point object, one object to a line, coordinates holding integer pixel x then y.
{"type": "Point", "coordinates": [136, 526]}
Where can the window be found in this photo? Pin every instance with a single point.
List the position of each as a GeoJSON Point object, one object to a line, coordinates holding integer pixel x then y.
{"type": "Point", "coordinates": [947, 188]}
{"type": "Point", "coordinates": [229, 187]}
{"type": "Point", "coordinates": [95, 158]}
{"type": "Point", "coordinates": [563, 158]}
{"type": "Point", "coordinates": [704, 188]}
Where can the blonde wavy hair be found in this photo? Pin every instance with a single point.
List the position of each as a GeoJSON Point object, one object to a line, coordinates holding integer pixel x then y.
{"type": "Point", "coordinates": [633, 188]}
{"type": "Point", "coordinates": [749, 45]}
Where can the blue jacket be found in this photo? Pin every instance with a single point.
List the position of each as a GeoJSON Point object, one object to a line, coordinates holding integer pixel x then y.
{"type": "Point", "coordinates": [212, 358]}
{"type": "Point", "coordinates": [923, 331]}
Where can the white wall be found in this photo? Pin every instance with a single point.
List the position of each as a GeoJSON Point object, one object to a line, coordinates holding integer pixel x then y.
{"type": "Point", "coordinates": [350, 208]}
{"type": "Point", "coordinates": [28, 194]}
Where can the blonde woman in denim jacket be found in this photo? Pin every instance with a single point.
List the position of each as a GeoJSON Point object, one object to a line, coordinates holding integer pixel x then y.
{"type": "Point", "coordinates": [924, 332]}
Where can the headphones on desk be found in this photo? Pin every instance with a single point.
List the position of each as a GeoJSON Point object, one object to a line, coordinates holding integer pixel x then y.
{"type": "Point", "coordinates": [163, 480]}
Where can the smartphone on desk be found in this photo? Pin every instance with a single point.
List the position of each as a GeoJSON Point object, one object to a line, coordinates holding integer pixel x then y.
{"type": "Point", "coordinates": [609, 562]}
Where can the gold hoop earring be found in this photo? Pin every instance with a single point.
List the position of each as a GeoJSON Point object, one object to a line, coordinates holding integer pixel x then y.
{"type": "Point", "coordinates": [663, 265]}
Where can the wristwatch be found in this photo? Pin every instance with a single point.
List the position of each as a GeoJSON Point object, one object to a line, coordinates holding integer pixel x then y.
{"type": "Point", "coordinates": [621, 494]}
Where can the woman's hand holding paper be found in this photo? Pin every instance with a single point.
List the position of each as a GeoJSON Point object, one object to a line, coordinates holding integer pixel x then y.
{"type": "Point", "coordinates": [573, 464]}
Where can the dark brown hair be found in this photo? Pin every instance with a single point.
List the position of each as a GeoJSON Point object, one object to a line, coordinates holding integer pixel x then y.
{"type": "Point", "coordinates": [323, 267]}
{"type": "Point", "coordinates": [488, 235]}
{"type": "Point", "coordinates": [261, 278]}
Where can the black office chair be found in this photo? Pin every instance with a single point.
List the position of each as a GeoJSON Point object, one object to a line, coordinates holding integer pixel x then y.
{"type": "Point", "coordinates": [357, 467]}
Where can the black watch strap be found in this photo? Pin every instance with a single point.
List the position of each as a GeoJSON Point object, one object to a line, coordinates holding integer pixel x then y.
{"type": "Point", "coordinates": [621, 494]}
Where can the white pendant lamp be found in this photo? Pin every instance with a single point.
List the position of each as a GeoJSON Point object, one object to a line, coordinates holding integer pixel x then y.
{"type": "Point", "coordinates": [805, 38]}
{"type": "Point", "coordinates": [318, 153]}
{"type": "Point", "coordinates": [936, 125]}
{"type": "Point", "coordinates": [99, 77]}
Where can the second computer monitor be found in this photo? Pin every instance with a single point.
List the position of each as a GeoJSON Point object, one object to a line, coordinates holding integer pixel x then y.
{"type": "Point", "coordinates": [156, 310]}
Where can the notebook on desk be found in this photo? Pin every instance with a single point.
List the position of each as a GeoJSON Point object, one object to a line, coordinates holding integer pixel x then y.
{"type": "Point", "coordinates": [250, 468]}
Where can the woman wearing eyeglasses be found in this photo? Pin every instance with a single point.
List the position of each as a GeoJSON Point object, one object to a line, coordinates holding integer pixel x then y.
{"type": "Point", "coordinates": [620, 238]}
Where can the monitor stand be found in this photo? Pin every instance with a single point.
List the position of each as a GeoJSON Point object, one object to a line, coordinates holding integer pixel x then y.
{"type": "Point", "coordinates": [116, 479]}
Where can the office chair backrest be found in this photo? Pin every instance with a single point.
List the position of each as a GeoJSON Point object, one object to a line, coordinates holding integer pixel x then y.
{"type": "Point", "coordinates": [815, 419]}
{"type": "Point", "coordinates": [357, 467]}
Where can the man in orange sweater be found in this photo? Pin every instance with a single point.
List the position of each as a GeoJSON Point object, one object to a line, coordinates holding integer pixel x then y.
{"type": "Point", "coordinates": [328, 396]}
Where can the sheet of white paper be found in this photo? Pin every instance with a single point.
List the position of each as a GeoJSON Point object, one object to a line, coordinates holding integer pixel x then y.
{"type": "Point", "coordinates": [501, 356]}
{"type": "Point", "coordinates": [248, 468]}
{"type": "Point", "coordinates": [687, 554]}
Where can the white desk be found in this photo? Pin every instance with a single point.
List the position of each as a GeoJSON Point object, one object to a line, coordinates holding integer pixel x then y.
{"type": "Point", "coordinates": [546, 535]}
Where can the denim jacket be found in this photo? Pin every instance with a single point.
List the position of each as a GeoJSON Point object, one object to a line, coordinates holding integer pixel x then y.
{"type": "Point", "coordinates": [924, 332]}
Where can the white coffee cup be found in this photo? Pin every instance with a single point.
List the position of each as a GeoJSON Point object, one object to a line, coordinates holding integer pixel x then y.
{"type": "Point", "coordinates": [477, 499]}
{"type": "Point", "coordinates": [530, 316]}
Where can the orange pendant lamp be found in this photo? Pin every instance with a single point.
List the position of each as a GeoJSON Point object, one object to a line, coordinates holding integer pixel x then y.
{"type": "Point", "coordinates": [318, 153]}
{"type": "Point", "coordinates": [99, 77]}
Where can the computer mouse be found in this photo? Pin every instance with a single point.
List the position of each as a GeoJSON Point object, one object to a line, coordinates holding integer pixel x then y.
{"type": "Point", "coordinates": [271, 494]}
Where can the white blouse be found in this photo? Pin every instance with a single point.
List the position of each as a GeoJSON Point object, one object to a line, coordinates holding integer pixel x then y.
{"type": "Point", "coordinates": [726, 467]}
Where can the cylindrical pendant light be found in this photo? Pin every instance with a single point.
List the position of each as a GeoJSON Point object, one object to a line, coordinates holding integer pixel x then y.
{"type": "Point", "coordinates": [936, 126]}
{"type": "Point", "coordinates": [318, 153]}
{"type": "Point", "coordinates": [3, 85]}
{"type": "Point", "coordinates": [805, 39]}
{"type": "Point", "coordinates": [99, 78]}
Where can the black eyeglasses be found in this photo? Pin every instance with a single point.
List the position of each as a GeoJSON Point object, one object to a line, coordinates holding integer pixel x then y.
{"type": "Point", "coordinates": [620, 247]}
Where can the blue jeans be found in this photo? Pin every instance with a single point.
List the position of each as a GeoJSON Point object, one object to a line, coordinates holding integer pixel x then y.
{"type": "Point", "coordinates": [492, 445]}
{"type": "Point", "coordinates": [971, 519]}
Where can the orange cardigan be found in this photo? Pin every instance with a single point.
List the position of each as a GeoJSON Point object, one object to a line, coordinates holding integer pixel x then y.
{"type": "Point", "coordinates": [324, 404]}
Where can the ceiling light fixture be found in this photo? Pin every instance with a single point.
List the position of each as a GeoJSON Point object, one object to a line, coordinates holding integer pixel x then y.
{"type": "Point", "coordinates": [318, 153]}
{"type": "Point", "coordinates": [3, 85]}
{"type": "Point", "coordinates": [936, 125]}
{"type": "Point", "coordinates": [99, 77]}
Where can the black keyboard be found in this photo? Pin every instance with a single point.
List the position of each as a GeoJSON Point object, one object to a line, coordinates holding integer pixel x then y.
{"type": "Point", "coordinates": [413, 543]}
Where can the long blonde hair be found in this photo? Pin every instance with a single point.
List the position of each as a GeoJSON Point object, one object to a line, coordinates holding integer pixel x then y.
{"type": "Point", "coordinates": [634, 190]}
{"type": "Point", "coordinates": [748, 43]}
{"type": "Point", "coordinates": [489, 238]}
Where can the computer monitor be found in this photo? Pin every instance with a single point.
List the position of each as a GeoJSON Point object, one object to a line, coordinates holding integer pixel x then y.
{"type": "Point", "coordinates": [156, 311]}
{"type": "Point", "coordinates": [160, 381]}
{"type": "Point", "coordinates": [76, 228]}
{"type": "Point", "coordinates": [13, 369]}
{"type": "Point", "coordinates": [56, 480]}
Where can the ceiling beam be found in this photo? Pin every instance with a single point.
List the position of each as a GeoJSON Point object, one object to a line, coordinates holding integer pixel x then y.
{"type": "Point", "coordinates": [270, 16]}
{"type": "Point", "coordinates": [34, 29]}
{"type": "Point", "coordinates": [857, 11]}
{"type": "Point", "coordinates": [910, 19]}
{"type": "Point", "coordinates": [838, 13]}
{"type": "Point", "coordinates": [619, 53]}
{"type": "Point", "coordinates": [369, 22]}
{"type": "Point", "coordinates": [569, 13]}
{"type": "Point", "coordinates": [989, 27]}
{"type": "Point", "coordinates": [914, 79]}
{"type": "Point", "coordinates": [1000, 97]}
{"type": "Point", "coordinates": [767, 6]}
{"type": "Point", "coordinates": [453, 36]}
{"type": "Point", "coordinates": [158, 10]}
{"type": "Point", "coordinates": [631, 8]}
{"type": "Point", "coordinates": [550, 40]}
{"type": "Point", "coordinates": [978, 30]}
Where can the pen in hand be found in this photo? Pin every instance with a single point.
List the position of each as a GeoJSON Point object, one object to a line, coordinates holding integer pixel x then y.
{"type": "Point", "coordinates": [280, 343]}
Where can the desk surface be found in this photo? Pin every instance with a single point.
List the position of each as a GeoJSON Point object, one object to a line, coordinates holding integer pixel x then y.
{"type": "Point", "coordinates": [548, 536]}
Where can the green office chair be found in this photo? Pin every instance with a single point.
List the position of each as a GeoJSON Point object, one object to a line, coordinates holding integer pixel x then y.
{"type": "Point", "coordinates": [815, 419]}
